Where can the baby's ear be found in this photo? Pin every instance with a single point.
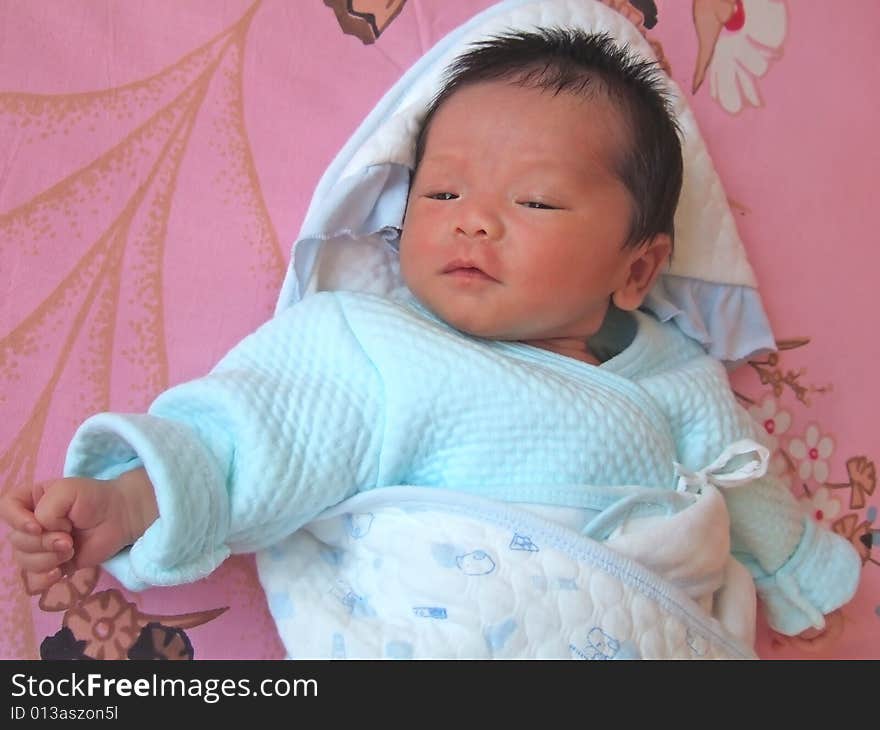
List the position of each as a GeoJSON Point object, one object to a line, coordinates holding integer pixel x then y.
{"type": "Point", "coordinates": [646, 263]}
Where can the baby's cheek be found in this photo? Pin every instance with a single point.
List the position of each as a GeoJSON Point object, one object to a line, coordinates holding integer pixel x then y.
{"type": "Point", "coordinates": [414, 266]}
{"type": "Point", "coordinates": [417, 250]}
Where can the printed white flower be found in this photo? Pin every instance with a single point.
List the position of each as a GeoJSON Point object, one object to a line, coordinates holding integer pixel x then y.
{"type": "Point", "coordinates": [822, 506]}
{"type": "Point", "coordinates": [812, 452]}
{"type": "Point", "coordinates": [774, 421]}
{"type": "Point", "coordinates": [748, 41]}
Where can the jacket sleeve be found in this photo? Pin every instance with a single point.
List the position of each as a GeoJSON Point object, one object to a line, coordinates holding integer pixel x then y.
{"type": "Point", "coordinates": [282, 428]}
{"type": "Point", "coordinates": [801, 569]}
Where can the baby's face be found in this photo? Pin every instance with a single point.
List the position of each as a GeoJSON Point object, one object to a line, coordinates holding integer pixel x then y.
{"type": "Point", "coordinates": [515, 223]}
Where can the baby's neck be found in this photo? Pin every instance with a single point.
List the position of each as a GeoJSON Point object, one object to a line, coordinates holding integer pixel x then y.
{"type": "Point", "coordinates": [568, 346]}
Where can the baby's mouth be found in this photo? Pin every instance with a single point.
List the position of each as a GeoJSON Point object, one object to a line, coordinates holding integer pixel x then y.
{"type": "Point", "coordinates": [466, 270]}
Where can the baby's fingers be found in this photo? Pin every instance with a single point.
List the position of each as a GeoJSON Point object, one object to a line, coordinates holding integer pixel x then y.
{"type": "Point", "coordinates": [52, 510]}
{"type": "Point", "coordinates": [41, 553]}
{"type": "Point", "coordinates": [41, 562]}
{"type": "Point", "coordinates": [57, 542]}
{"type": "Point", "coordinates": [17, 513]}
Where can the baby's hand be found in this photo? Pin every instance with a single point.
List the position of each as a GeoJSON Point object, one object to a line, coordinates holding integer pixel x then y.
{"type": "Point", "coordinates": [39, 552]}
{"type": "Point", "coordinates": [73, 523]}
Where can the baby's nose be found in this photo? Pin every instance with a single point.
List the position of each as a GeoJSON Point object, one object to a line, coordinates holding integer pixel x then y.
{"type": "Point", "coordinates": [479, 221]}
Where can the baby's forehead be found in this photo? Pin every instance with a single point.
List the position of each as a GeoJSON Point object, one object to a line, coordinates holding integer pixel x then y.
{"type": "Point", "coordinates": [588, 119]}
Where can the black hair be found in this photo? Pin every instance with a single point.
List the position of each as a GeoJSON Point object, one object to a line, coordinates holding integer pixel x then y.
{"type": "Point", "coordinates": [573, 61]}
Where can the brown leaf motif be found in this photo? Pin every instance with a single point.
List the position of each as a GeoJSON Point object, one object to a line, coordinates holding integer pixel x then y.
{"type": "Point", "coordinates": [859, 534]}
{"type": "Point", "coordinates": [862, 478]}
{"type": "Point", "coordinates": [112, 214]}
{"type": "Point", "coordinates": [84, 253]}
{"type": "Point", "coordinates": [771, 374]}
{"type": "Point", "coordinates": [365, 19]}
{"type": "Point", "coordinates": [111, 626]}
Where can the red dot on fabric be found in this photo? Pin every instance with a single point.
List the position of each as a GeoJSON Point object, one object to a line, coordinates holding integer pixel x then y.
{"type": "Point", "coordinates": [738, 19]}
{"type": "Point", "coordinates": [770, 425]}
{"type": "Point", "coordinates": [819, 515]}
{"type": "Point", "coordinates": [814, 453]}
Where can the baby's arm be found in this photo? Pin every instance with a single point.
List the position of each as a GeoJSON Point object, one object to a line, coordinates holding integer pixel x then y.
{"type": "Point", "coordinates": [73, 523]}
{"type": "Point", "coordinates": [282, 428]}
{"type": "Point", "coordinates": [802, 570]}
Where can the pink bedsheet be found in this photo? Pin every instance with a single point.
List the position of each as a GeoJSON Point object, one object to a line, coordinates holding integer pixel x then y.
{"type": "Point", "coordinates": [156, 160]}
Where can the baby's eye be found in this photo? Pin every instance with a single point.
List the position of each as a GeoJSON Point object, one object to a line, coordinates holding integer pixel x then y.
{"type": "Point", "coordinates": [441, 196]}
{"type": "Point", "coordinates": [536, 205]}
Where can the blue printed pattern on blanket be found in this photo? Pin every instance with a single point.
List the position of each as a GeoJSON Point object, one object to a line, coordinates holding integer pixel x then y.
{"type": "Point", "coordinates": [523, 542]}
{"type": "Point", "coordinates": [497, 635]}
{"type": "Point", "coordinates": [478, 562]}
{"type": "Point", "coordinates": [348, 597]}
{"type": "Point", "coordinates": [358, 525]}
{"type": "Point", "coordinates": [385, 588]}
{"type": "Point", "coordinates": [430, 611]}
{"type": "Point", "coordinates": [599, 645]}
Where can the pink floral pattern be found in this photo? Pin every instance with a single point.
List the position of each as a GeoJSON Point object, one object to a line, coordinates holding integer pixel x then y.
{"type": "Point", "coordinates": [772, 419]}
{"type": "Point", "coordinates": [201, 147]}
{"type": "Point", "coordinates": [813, 452]}
{"type": "Point", "coordinates": [823, 506]}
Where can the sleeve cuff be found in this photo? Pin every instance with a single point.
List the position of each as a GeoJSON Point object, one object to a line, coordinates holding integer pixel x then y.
{"type": "Point", "coordinates": [821, 576]}
{"type": "Point", "coordinates": [186, 542]}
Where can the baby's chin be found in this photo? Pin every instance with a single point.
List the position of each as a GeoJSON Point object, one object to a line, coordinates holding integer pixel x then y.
{"type": "Point", "coordinates": [468, 318]}
{"type": "Point", "coordinates": [463, 322]}
{"type": "Point", "coordinates": [475, 327]}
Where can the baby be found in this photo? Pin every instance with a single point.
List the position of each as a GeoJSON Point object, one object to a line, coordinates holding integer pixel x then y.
{"type": "Point", "coordinates": [540, 213]}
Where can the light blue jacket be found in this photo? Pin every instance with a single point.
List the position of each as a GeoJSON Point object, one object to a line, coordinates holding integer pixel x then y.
{"type": "Point", "coordinates": [347, 392]}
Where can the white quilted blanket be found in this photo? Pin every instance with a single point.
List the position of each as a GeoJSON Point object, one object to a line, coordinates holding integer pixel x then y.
{"type": "Point", "coordinates": [408, 572]}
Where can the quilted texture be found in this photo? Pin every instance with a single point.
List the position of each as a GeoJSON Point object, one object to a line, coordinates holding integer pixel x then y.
{"type": "Point", "coordinates": [413, 573]}
{"type": "Point", "coordinates": [804, 586]}
{"type": "Point", "coordinates": [348, 392]}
